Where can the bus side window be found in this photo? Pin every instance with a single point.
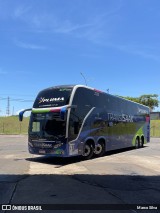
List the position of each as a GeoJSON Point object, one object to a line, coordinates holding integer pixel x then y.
{"type": "Point", "coordinates": [82, 99]}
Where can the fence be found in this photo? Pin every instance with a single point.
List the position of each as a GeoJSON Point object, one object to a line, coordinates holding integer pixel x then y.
{"type": "Point", "coordinates": [155, 128]}
{"type": "Point", "coordinates": [8, 128]}
{"type": "Point", "coordinates": [11, 125]}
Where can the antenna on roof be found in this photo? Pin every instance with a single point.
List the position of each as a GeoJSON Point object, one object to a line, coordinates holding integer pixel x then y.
{"type": "Point", "coordinates": [84, 78]}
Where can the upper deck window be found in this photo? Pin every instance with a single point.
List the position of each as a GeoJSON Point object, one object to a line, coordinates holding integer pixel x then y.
{"type": "Point", "coordinates": [53, 97]}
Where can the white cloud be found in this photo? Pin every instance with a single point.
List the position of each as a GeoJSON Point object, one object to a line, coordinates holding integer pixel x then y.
{"type": "Point", "coordinates": [20, 11]}
{"type": "Point", "coordinates": [87, 27]}
{"type": "Point", "coordinates": [139, 50]}
{"type": "Point", "coordinates": [98, 28]}
{"type": "Point", "coordinates": [29, 46]}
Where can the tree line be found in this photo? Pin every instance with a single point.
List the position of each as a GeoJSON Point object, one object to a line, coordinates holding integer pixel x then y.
{"type": "Point", "coordinates": [150, 100]}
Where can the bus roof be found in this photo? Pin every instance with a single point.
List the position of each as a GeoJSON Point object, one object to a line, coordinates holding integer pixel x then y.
{"type": "Point", "coordinates": [91, 88]}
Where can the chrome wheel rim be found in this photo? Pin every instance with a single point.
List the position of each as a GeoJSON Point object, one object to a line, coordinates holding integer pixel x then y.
{"type": "Point", "coordinates": [87, 150]}
{"type": "Point", "coordinates": [98, 149]}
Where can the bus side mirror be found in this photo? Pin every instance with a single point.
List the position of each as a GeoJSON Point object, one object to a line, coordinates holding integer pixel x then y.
{"type": "Point", "coordinates": [21, 116]}
{"type": "Point", "coordinates": [22, 112]}
{"type": "Point", "coordinates": [76, 127]}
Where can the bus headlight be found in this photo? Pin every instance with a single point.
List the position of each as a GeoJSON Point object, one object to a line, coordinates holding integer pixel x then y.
{"type": "Point", "coordinates": [58, 145]}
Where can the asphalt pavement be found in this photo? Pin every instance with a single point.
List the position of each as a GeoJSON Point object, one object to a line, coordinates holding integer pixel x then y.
{"type": "Point", "coordinates": [130, 176]}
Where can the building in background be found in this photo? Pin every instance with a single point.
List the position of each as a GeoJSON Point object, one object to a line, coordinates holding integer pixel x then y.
{"type": "Point", "coordinates": [155, 116]}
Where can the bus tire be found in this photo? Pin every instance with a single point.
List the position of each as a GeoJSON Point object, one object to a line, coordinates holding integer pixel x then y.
{"type": "Point", "coordinates": [137, 143]}
{"type": "Point", "coordinates": [88, 151]}
{"type": "Point", "coordinates": [142, 141]}
{"type": "Point", "coordinates": [100, 149]}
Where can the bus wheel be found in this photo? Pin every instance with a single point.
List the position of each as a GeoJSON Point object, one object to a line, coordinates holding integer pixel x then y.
{"type": "Point", "coordinates": [99, 149]}
{"type": "Point", "coordinates": [137, 143]}
{"type": "Point", "coordinates": [142, 141]}
{"type": "Point", "coordinates": [88, 151]}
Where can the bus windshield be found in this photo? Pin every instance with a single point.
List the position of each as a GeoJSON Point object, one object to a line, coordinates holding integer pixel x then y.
{"type": "Point", "coordinates": [47, 126]}
{"type": "Point", "coordinates": [53, 97]}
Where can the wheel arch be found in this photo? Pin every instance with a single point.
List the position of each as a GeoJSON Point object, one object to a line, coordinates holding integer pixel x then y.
{"type": "Point", "coordinates": [90, 141]}
{"type": "Point", "coordinates": [101, 140]}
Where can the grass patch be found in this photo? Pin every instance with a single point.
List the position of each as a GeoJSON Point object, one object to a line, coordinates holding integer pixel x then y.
{"type": "Point", "coordinates": [12, 125]}
{"type": "Point", "coordinates": [155, 128]}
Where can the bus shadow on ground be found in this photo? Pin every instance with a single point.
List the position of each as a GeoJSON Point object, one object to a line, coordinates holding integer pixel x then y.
{"type": "Point", "coordinates": [59, 161]}
{"type": "Point", "coordinates": [122, 150]}
{"type": "Point", "coordinates": [80, 188]}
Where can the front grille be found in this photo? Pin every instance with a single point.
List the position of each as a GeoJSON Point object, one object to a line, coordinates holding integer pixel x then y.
{"type": "Point", "coordinates": [42, 145]}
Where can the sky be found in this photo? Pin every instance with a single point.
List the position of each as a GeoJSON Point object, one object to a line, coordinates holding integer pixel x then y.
{"type": "Point", "coordinates": [115, 44]}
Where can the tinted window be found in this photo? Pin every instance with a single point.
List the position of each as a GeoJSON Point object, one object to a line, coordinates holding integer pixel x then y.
{"type": "Point", "coordinates": [53, 97]}
{"type": "Point", "coordinates": [45, 124]}
{"type": "Point", "coordinates": [84, 99]}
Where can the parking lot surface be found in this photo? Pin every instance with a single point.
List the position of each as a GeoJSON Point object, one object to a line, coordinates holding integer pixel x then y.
{"type": "Point", "coordinates": [130, 176]}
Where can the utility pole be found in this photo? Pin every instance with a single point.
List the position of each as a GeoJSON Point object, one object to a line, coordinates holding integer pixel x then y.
{"type": "Point", "coordinates": [8, 107]}
{"type": "Point", "coordinates": [13, 111]}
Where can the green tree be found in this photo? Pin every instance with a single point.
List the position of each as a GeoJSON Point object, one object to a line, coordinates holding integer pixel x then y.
{"type": "Point", "coordinates": [150, 100]}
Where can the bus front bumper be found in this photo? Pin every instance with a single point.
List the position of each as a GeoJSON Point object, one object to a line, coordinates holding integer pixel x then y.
{"type": "Point", "coordinates": [49, 149]}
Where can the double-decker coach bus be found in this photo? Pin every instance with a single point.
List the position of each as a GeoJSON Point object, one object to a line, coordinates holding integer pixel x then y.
{"type": "Point", "coordinates": [72, 120]}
